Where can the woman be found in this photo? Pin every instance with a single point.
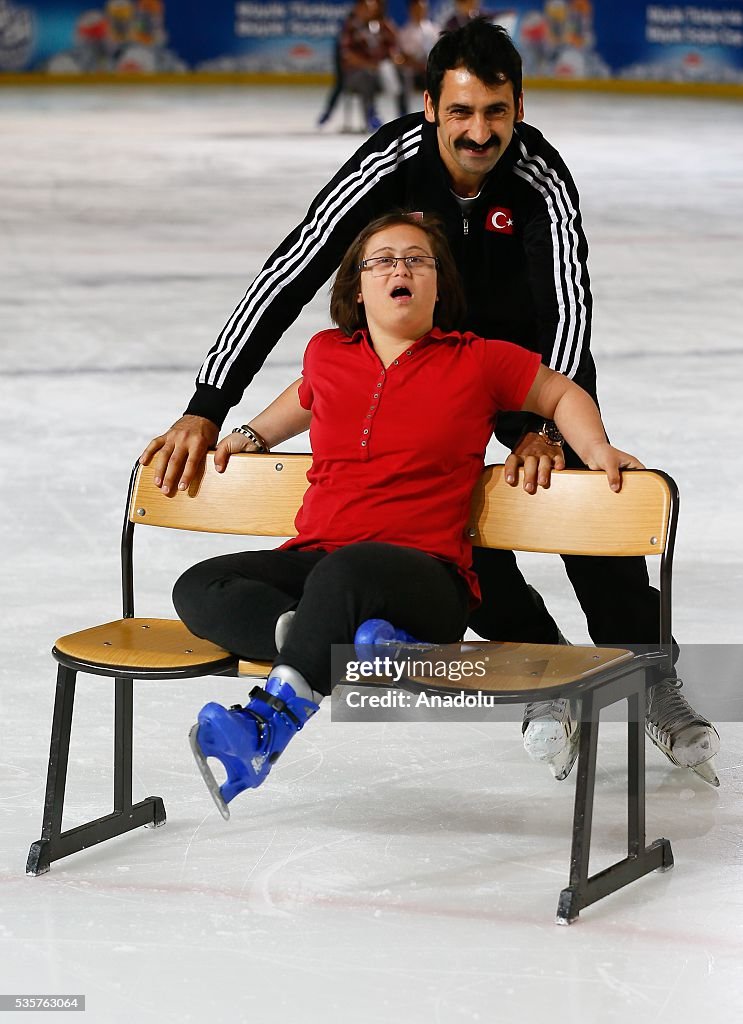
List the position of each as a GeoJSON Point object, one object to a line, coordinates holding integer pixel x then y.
{"type": "Point", "coordinates": [400, 407]}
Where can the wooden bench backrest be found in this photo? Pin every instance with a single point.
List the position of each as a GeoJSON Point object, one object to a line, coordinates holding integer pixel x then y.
{"type": "Point", "coordinates": [259, 495]}
{"type": "Point", "coordinates": [577, 515]}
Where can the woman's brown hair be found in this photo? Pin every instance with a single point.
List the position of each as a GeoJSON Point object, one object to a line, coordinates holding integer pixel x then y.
{"type": "Point", "coordinates": [350, 315]}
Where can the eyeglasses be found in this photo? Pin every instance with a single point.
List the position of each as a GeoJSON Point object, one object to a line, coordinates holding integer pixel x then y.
{"type": "Point", "coordinates": [383, 266]}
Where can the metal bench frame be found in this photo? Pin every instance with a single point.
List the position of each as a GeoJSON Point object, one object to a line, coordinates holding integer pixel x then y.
{"type": "Point", "coordinates": [270, 488]}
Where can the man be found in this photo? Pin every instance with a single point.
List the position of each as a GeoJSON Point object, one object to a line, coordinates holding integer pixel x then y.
{"type": "Point", "coordinates": [510, 209]}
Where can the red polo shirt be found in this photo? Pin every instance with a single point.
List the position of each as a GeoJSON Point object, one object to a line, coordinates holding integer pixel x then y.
{"type": "Point", "coordinates": [397, 451]}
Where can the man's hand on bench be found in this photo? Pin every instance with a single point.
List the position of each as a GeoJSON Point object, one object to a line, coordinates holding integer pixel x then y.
{"type": "Point", "coordinates": [178, 455]}
{"type": "Point", "coordinates": [538, 458]}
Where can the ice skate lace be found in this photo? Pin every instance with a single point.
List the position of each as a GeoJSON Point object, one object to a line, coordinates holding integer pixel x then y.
{"type": "Point", "coordinates": [556, 709]}
{"type": "Point", "coordinates": [668, 712]}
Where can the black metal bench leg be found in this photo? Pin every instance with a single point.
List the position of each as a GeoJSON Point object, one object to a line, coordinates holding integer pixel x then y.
{"type": "Point", "coordinates": [55, 844]}
{"type": "Point", "coordinates": [635, 775]}
{"type": "Point", "coordinates": [39, 855]}
{"type": "Point", "coordinates": [123, 762]}
{"type": "Point", "coordinates": [571, 898]}
{"type": "Point", "coordinates": [123, 727]}
{"type": "Point", "coordinates": [658, 856]}
{"type": "Point", "coordinates": [640, 860]}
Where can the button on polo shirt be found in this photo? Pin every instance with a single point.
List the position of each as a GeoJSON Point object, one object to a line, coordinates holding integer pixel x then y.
{"type": "Point", "coordinates": [397, 451]}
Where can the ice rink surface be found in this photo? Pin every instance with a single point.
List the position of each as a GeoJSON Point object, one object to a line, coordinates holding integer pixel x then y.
{"type": "Point", "coordinates": [389, 872]}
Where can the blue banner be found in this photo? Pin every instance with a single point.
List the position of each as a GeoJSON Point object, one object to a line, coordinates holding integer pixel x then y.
{"type": "Point", "coordinates": [672, 42]}
{"type": "Point", "coordinates": [563, 39]}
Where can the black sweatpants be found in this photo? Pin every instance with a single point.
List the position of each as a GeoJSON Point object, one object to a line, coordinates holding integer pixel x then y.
{"type": "Point", "coordinates": [234, 601]}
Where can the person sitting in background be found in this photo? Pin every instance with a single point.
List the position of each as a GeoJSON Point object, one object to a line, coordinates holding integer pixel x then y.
{"type": "Point", "coordinates": [381, 531]}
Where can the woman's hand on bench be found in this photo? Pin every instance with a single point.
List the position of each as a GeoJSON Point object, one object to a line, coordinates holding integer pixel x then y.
{"type": "Point", "coordinates": [232, 444]}
{"type": "Point", "coordinates": [611, 460]}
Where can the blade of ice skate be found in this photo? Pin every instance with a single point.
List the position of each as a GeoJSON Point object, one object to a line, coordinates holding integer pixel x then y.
{"type": "Point", "coordinates": [206, 773]}
{"type": "Point", "coordinates": [706, 771]}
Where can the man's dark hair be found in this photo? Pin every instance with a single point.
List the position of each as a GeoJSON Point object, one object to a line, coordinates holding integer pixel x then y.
{"type": "Point", "coordinates": [483, 49]}
{"type": "Point", "coordinates": [350, 314]}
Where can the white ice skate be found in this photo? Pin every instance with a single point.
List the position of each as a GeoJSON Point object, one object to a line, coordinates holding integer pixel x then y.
{"type": "Point", "coordinates": [686, 738]}
{"type": "Point", "coordinates": [551, 729]}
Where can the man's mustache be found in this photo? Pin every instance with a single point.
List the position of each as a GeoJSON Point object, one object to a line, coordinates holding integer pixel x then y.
{"type": "Point", "coordinates": [480, 147]}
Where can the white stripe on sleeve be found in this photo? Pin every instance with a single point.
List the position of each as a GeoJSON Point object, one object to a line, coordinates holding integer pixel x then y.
{"type": "Point", "coordinates": [274, 277]}
{"type": "Point", "coordinates": [569, 291]}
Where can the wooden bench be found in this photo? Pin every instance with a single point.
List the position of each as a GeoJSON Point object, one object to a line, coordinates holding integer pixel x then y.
{"type": "Point", "coordinates": [259, 496]}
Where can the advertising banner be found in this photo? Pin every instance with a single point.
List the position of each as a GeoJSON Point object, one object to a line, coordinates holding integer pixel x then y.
{"type": "Point", "coordinates": [671, 42]}
{"type": "Point", "coordinates": [563, 39]}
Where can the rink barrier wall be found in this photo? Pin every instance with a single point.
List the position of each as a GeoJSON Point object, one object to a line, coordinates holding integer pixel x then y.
{"type": "Point", "coordinates": [706, 90]}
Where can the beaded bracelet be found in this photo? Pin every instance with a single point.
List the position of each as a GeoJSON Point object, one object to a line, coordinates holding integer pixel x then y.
{"type": "Point", "coordinates": [254, 437]}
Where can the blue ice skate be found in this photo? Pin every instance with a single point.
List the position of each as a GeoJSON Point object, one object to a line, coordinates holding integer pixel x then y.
{"type": "Point", "coordinates": [247, 741]}
{"type": "Point", "coordinates": [377, 637]}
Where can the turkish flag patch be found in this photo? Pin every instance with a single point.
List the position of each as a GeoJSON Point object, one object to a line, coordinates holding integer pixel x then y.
{"type": "Point", "coordinates": [499, 219]}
